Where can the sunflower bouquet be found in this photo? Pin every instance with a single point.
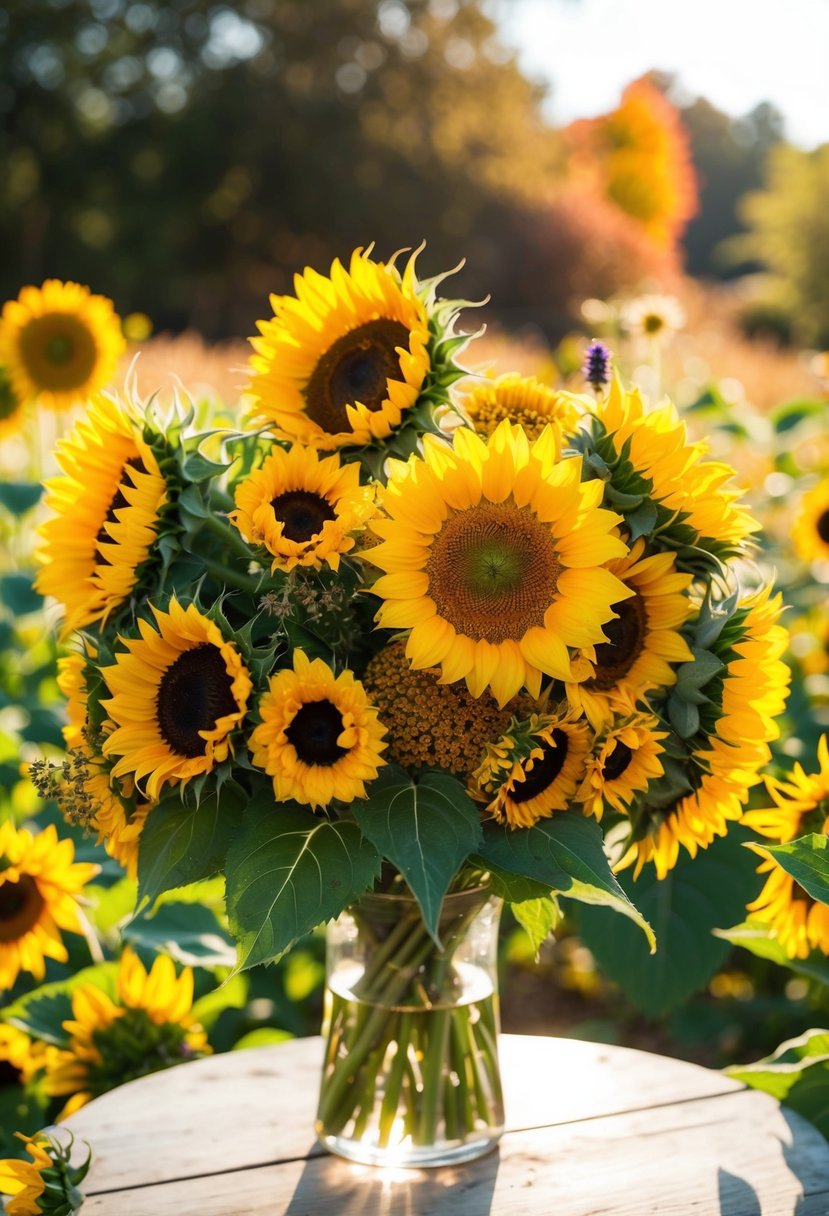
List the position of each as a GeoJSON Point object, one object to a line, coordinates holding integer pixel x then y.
{"type": "Point", "coordinates": [401, 644]}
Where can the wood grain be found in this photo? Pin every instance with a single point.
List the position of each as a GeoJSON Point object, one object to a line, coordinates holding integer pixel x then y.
{"type": "Point", "coordinates": [256, 1107]}
{"type": "Point", "coordinates": [736, 1154]}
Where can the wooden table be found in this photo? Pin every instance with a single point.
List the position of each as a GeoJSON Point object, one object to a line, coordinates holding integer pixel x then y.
{"type": "Point", "coordinates": [591, 1131]}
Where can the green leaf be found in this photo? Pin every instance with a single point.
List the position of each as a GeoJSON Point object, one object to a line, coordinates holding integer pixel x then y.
{"type": "Point", "coordinates": [684, 716]}
{"type": "Point", "coordinates": [18, 497]}
{"type": "Point", "coordinates": [512, 888]}
{"type": "Point", "coordinates": [188, 932]}
{"type": "Point", "coordinates": [696, 897]}
{"type": "Point", "coordinates": [42, 1013]}
{"type": "Point", "coordinates": [538, 918]}
{"type": "Point", "coordinates": [263, 1036]}
{"type": "Point", "coordinates": [791, 413]}
{"type": "Point", "coordinates": [18, 595]}
{"type": "Point", "coordinates": [759, 940]}
{"type": "Point", "coordinates": [425, 830]}
{"type": "Point", "coordinates": [807, 861]}
{"type": "Point", "coordinates": [797, 1073]}
{"type": "Point", "coordinates": [181, 844]}
{"type": "Point", "coordinates": [566, 854]}
{"type": "Point", "coordinates": [231, 995]}
{"type": "Point", "coordinates": [288, 871]}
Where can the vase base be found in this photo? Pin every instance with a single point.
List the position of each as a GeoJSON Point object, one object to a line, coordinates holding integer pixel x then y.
{"type": "Point", "coordinates": [412, 1156]}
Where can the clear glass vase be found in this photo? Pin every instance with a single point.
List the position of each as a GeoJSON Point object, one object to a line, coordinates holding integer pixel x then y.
{"type": "Point", "coordinates": [411, 1060]}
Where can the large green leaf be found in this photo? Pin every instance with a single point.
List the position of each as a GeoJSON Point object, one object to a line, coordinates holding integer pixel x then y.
{"type": "Point", "coordinates": [18, 595]}
{"type": "Point", "coordinates": [426, 830]}
{"type": "Point", "coordinates": [807, 860]}
{"type": "Point", "coordinates": [698, 896]}
{"type": "Point", "coordinates": [181, 844]}
{"type": "Point", "coordinates": [797, 1073]}
{"type": "Point", "coordinates": [538, 918]}
{"type": "Point", "coordinates": [188, 932]}
{"type": "Point", "coordinates": [566, 854]}
{"type": "Point", "coordinates": [41, 1013]}
{"type": "Point", "coordinates": [288, 871]}
{"type": "Point", "coordinates": [18, 497]}
{"type": "Point", "coordinates": [760, 940]}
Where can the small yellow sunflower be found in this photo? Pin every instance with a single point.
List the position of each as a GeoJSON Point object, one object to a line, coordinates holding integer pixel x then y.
{"type": "Point", "coordinates": [119, 830]}
{"type": "Point", "coordinates": [534, 770]}
{"type": "Point", "coordinates": [177, 694]}
{"type": "Point", "coordinates": [319, 738]}
{"type": "Point", "coordinates": [301, 508]}
{"type": "Point", "coordinates": [146, 1028]}
{"type": "Point", "coordinates": [20, 1057]}
{"type": "Point", "coordinates": [59, 343]}
{"type": "Point", "coordinates": [643, 641]}
{"type": "Point", "coordinates": [71, 680]}
{"type": "Point", "coordinates": [11, 407]}
{"type": "Point", "coordinates": [810, 532]}
{"type": "Point", "coordinates": [24, 1181]}
{"type": "Point", "coordinates": [692, 823]}
{"type": "Point", "coordinates": [698, 492]}
{"type": "Point", "coordinates": [40, 884]}
{"type": "Point", "coordinates": [495, 554]}
{"type": "Point", "coordinates": [522, 400]}
{"type": "Point", "coordinates": [624, 762]}
{"type": "Point", "coordinates": [801, 807]}
{"type": "Point", "coordinates": [345, 357]}
{"type": "Point", "coordinates": [105, 512]}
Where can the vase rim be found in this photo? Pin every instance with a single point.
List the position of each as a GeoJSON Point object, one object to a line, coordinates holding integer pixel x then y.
{"type": "Point", "coordinates": [392, 897]}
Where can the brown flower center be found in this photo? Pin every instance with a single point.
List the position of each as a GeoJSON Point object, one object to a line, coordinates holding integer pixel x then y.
{"type": "Point", "coordinates": [21, 904]}
{"type": "Point", "coordinates": [626, 640]}
{"type": "Point", "coordinates": [58, 350]}
{"type": "Point", "coordinates": [194, 692]}
{"type": "Point", "coordinates": [355, 368]}
{"type": "Point", "coordinates": [314, 732]}
{"type": "Point", "coordinates": [493, 571]}
{"type": "Point", "coordinates": [545, 769]}
{"type": "Point", "coordinates": [822, 527]}
{"type": "Point", "coordinates": [302, 514]}
{"type": "Point", "coordinates": [617, 762]}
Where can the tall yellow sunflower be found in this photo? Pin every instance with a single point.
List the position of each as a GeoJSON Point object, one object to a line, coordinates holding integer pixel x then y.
{"type": "Point", "coordinates": [319, 738]}
{"type": "Point", "coordinates": [652, 450]}
{"type": "Point", "coordinates": [801, 807]}
{"type": "Point", "coordinates": [178, 693]}
{"type": "Point", "coordinates": [60, 343]}
{"type": "Point", "coordinates": [146, 1028]}
{"type": "Point", "coordinates": [810, 532]}
{"type": "Point", "coordinates": [303, 509]}
{"type": "Point", "coordinates": [533, 770]}
{"type": "Point", "coordinates": [643, 642]}
{"type": "Point", "coordinates": [104, 519]}
{"type": "Point", "coordinates": [40, 884]}
{"type": "Point", "coordinates": [524, 401]}
{"type": "Point", "coordinates": [495, 554]}
{"type": "Point", "coordinates": [624, 762]}
{"type": "Point", "coordinates": [345, 357]}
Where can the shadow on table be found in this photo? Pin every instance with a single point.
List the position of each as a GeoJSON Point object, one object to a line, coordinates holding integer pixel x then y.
{"type": "Point", "coordinates": [811, 1169]}
{"type": "Point", "coordinates": [329, 1186]}
{"type": "Point", "coordinates": [737, 1197]}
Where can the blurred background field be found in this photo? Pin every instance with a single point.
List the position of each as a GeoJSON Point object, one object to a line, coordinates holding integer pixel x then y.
{"type": "Point", "coordinates": [186, 158]}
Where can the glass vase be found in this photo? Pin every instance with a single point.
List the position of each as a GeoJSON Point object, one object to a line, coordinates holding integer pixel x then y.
{"type": "Point", "coordinates": [411, 1058]}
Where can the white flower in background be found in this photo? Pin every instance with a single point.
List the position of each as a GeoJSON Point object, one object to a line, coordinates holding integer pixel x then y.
{"type": "Point", "coordinates": [653, 316]}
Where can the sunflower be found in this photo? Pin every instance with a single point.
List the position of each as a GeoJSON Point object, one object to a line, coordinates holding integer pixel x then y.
{"type": "Point", "coordinates": [105, 515]}
{"type": "Point", "coordinates": [429, 724]}
{"type": "Point", "coordinates": [301, 508]}
{"type": "Point", "coordinates": [345, 357]}
{"type": "Point", "coordinates": [624, 762]}
{"type": "Point", "coordinates": [60, 343]}
{"type": "Point", "coordinates": [692, 821]}
{"type": "Point", "coordinates": [119, 828]}
{"type": "Point", "coordinates": [801, 807]}
{"type": "Point", "coordinates": [319, 738]}
{"type": "Point", "coordinates": [20, 1058]}
{"type": "Point", "coordinates": [810, 532]}
{"type": "Point", "coordinates": [39, 889]}
{"type": "Point", "coordinates": [643, 641]}
{"type": "Point", "coordinates": [11, 407]}
{"type": "Point", "coordinates": [523, 400]}
{"type": "Point", "coordinates": [534, 770]}
{"type": "Point", "coordinates": [46, 1186]}
{"type": "Point", "coordinates": [652, 457]}
{"type": "Point", "coordinates": [147, 1027]}
{"type": "Point", "coordinates": [177, 694]}
{"type": "Point", "coordinates": [494, 556]}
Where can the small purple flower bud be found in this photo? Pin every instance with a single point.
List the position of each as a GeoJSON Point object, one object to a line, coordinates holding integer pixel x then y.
{"type": "Point", "coordinates": [596, 368]}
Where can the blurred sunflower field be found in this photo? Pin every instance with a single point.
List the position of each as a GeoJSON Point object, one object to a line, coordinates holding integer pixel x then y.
{"type": "Point", "coordinates": [590, 278]}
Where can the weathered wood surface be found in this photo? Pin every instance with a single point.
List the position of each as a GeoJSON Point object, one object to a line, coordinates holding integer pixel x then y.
{"type": "Point", "coordinates": [592, 1131]}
